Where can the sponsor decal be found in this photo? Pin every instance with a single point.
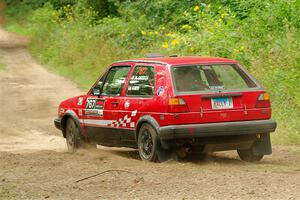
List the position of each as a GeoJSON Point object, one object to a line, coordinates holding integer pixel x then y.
{"type": "Point", "coordinates": [80, 112]}
{"type": "Point", "coordinates": [80, 100]}
{"type": "Point", "coordinates": [99, 104]}
{"type": "Point", "coordinates": [94, 103]}
{"type": "Point", "coordinates": [138, 78]}
{"type": "Point", "coordinates": [126, 104]}
{"type": "Point", "coordinates": [90, 103]}
{"type": "Point", "coordinates": [141, 70]}
{"type": "Point", "coordinates": [134, 88]}
{"type": "Point", "coordinates": [94, 107]}
{"type": "Point", "coordinates": [94, 112]}
{"type": "Point", "coordinates": [96, 122]}
{"type": "Point", "coordinates": [216, 87]}
{"type": "Point", "coordinates": [160, 91]}
{"type": "Point", "coordinates": [125, 121]}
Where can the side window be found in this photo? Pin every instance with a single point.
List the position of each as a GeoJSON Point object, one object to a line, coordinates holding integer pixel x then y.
{"type": "Point", "coordinates": [141, 82]}
{"type": "Point", "coordinates": [102, 79]}
{"type": "Point", "coordinates": [115, 80]}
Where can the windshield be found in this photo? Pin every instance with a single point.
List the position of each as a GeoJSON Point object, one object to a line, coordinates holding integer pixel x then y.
{"type": "Point", "coordinates": [210, 77]}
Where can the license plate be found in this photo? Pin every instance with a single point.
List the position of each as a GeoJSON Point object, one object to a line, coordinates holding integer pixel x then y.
{"type": "Point", "coordinates": [222, 103]}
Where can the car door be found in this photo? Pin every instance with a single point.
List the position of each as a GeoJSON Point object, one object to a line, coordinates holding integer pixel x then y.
{"type": "Point", "coordinates": [138, 100]}
{"type": "Point", "coordinates": [102, 106]}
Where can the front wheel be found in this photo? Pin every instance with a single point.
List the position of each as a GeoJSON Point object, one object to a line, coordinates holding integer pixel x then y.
{"type": "Point", "coordinates": [72, 136]}
{"type": "Point", "coordinates": [74, 140]}
{"type": "Point", "coordinates": [148, 143]}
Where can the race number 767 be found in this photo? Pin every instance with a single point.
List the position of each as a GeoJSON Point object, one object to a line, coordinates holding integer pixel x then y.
{"type": "Point", "coordinates": [90, 104]}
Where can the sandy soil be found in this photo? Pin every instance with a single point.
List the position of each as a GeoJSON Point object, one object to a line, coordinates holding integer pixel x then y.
{"type": "Point", "coordinates": [34, 163]}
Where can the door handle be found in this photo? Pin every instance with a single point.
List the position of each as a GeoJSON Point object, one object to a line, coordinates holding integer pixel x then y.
{"type": "Point", "coordinates": [115, 103]}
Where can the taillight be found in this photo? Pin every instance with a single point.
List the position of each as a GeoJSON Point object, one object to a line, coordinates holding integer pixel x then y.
{"type": "Point", "coordinates": [263, 101]}
{"type": "Point", "coordinates": [177, 105]}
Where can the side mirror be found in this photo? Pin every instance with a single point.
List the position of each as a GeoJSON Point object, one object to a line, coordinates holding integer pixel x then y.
{"type": "Point", "coordinates": [96, 91]}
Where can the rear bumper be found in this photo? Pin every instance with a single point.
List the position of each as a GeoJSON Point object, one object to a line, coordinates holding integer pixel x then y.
{"type": "Point", "coordinates": [57, 123]}
{"type": "Point", "coordinates": [216, 129]}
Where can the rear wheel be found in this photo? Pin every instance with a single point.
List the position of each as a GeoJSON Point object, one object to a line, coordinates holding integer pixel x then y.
{"type": "Point", "coordinates": [148, 143]}
{"type": "Point", "coordinates": [73, 138]}
{"type": "Point", "coordinates": [247, 155]}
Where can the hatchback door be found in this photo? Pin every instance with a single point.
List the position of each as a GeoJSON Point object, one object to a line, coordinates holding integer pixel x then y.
{"type": "Point", "coordinates": [217, 93]}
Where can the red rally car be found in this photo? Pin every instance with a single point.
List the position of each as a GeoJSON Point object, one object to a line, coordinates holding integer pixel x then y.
{"type": "Point", "coordinates": [161, 104]}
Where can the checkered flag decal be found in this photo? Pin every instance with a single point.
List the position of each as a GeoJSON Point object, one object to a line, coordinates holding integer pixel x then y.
{"type": "Point", "coordinates": [125, 121]}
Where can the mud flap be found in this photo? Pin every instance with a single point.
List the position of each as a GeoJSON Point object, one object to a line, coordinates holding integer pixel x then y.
{"type": "Point", "coordinates": [163, 154]}
{"type": "Point", "coordinates": [263, 146]}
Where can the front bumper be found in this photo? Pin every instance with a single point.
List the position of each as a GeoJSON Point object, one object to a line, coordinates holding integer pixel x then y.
{"type": "Point", "coordinates": [216, 129]}
{"type": "Point", "coordinates": [57, 123]}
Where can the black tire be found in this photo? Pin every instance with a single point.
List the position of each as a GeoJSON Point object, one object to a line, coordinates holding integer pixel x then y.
{"type": "Point", "coordinates": [248, 156]}
{"type": "Point", "coordinates": [72, 136]}
{"type": "Point", "coordinates": [148, 143]}
{"type": "Point", "coordinates": [74, 140]}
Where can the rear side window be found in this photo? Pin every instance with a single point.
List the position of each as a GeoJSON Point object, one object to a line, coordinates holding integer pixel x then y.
{"type": "Point", "coordinates": [141, 82]}
{"type": "Point", "coordinates": [210, 77]}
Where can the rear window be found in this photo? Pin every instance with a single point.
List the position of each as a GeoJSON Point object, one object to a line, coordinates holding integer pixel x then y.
{"type": "Point", "coordinates": [210, 77]}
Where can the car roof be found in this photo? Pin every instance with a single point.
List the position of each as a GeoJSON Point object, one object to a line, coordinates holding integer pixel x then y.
{"type": "Point", "coordinates": [182, 60]}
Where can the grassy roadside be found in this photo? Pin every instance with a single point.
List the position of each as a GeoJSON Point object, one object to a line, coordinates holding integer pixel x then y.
{"type": "Point", "coordinates": [2, 66]}
{"type": "Point", "coordinates": [13, 26]}
{"type": "Point", "coordinates": [6, 194]}
{"type": "Point", "coordinates": [73, 43]}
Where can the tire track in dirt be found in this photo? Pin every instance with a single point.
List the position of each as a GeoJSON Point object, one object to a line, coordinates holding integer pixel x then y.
{"type": "Point", "coordinates": [29, 96]}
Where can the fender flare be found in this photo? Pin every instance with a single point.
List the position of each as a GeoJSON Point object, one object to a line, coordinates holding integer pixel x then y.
{"type": "Point", "coordinates": [146, 119]}
{"type": "Point", "coordinates": [72, 114]}
{"type": "Point", "coordinates": [162, 154]}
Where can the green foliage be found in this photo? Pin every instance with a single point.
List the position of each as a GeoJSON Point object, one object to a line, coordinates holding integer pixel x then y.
{"type": "Point", "coordinates": [2, 66]}
{"type": "Point", "coordinates": [33, 4]}
{"type": "Point", "coordinates": [103, 8]}
{"type": "Point", "coordinates": [19, 9]}
{"type": "Point", "coordinates": [80, 38]}
{"type": "Point", "coordinates": [5, 194]}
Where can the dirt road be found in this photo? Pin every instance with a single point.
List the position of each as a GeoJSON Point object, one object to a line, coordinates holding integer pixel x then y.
{"type": "Point", "coordinates": [34, 163]}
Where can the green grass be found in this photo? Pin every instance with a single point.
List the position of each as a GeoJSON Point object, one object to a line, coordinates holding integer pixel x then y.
{"type": "Point", "coordinates": [17, 28]}
{"type": "Point", "coordinates": [5, 194]}
{"type": "Point", "coordinates": [2, 66]}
